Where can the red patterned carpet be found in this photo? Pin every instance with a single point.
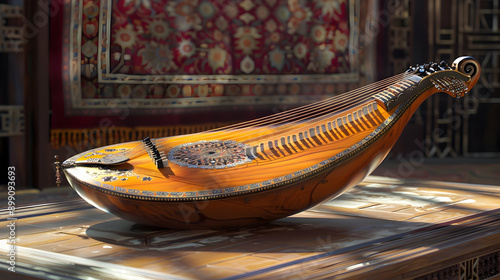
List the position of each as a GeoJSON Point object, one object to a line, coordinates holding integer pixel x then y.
{"type": "Point", "coordinates": [149, 65]}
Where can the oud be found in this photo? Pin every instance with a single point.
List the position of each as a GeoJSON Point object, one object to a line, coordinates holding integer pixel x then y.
{"type": "Point", "coordinates": [261, 170]}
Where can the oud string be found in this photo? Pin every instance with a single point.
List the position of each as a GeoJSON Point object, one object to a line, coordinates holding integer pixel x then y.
{"type": "Point", "coordinates": [338, 102]}
{"type": "Point", "coordinates": [244, 130]}
{"type": "Point", "coordinates": [311, 114]}
{"type": "Point", "coordinates": [249, 131]}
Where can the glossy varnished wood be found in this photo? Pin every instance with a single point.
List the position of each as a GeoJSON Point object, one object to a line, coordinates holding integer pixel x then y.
{"type": "Point", "coordinates": [297, 165]}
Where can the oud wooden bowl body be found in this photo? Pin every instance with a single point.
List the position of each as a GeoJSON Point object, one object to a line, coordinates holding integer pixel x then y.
{"type": "Point", "coordinates": [251, 208]}
{"type": "Point", "coordinates": [268, 187]}
{"type": "Point", "coordinates": [247, 209]}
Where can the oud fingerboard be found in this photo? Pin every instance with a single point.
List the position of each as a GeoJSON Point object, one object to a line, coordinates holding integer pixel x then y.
{"type": "Point", "coordinates": [321, 134]}
{"type": "Point", "coordinates": [397, 93]}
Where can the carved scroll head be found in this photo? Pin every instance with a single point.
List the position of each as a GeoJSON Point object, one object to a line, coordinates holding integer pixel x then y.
{"type": "Point", "coordinates": [470, 67]}
{"type": "Point", "coordinates": [457, 79]}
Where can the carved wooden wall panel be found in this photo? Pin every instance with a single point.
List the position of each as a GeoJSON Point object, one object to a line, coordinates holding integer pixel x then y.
{"type": "Point", "coordinates": [457, 28]}
{"type": "Point", "coordinates": [436, 30]}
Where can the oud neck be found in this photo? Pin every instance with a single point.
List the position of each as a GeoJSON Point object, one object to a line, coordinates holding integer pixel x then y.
{"type": "Point", "coordinates": [361, 111]}
{"type": "Point", "coordinates": [399, 92]}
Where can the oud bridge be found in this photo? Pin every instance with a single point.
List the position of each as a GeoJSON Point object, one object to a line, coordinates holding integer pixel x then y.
{"type": "Point", "coordinates": [159, 158]}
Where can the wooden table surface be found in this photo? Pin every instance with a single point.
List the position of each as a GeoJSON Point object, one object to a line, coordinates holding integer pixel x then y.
{"type": "Point", "coordinates": [382, 229]}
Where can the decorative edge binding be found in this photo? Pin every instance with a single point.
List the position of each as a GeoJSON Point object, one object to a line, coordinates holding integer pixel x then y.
{"type": "Point", "coordinates": [57, 163]}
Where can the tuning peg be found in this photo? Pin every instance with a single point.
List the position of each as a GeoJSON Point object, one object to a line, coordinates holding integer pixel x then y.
{"type": "Point", "coordinates": [443, 64]}
{"type": "Point", "coordinates": [434, 67]}
{"type": "Point", "coordinates": [411, 69]}
{"type": "Point", "coordinates": [421, 69]}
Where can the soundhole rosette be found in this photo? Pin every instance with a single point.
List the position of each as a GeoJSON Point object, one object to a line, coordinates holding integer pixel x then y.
{"type": "Point", "coordinates": [213, 154]}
